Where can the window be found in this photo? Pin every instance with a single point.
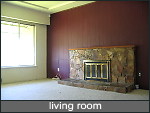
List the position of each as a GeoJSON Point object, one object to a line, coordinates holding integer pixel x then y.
{"type": "Point", "coordinates": [17, 44]}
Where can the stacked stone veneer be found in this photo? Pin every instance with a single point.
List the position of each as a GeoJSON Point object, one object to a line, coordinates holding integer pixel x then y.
{"type": "Point", "coordinates": [122, 67]}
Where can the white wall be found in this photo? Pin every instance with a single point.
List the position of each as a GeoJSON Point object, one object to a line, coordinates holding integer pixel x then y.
{"type": "Point", "coordinates": [25, 14]}
{"type": "Point", "coordinates": [17, 74]}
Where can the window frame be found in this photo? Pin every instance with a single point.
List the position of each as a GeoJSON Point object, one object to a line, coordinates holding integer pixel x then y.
{"type": "Point", "coordinates": [34, 42]}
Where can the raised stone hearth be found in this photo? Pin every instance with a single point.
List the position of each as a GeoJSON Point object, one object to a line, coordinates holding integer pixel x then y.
{"type": "Point", "coordinates": [121, 68]}
{"type": "Point", "coordinates": [106, 86]}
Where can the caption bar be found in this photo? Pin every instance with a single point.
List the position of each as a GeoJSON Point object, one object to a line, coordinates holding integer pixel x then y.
{"type": "Point", "coordinates": [74, 106]}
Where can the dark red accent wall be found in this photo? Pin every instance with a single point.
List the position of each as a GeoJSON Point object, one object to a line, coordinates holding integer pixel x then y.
{"type": "Point", "coordinates": [102, 23]}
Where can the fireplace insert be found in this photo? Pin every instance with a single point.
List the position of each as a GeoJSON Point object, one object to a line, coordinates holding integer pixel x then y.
{"type": "Point", "coordinates": [97, 70]}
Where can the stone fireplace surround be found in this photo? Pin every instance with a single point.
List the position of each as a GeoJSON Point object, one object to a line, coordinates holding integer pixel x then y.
{"type": "Point", "coordinates": [122, 68]}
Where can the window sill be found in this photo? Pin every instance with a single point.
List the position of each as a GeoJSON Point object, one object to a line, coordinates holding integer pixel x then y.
{"type": "Point", "coordinates": [26, 66]}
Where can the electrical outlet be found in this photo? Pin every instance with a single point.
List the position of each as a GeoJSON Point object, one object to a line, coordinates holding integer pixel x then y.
{"type": "Point", "coordinates": [137, 86]}
{"type": "Point", "coordinates": [140, 74]}
{"type": "Point", "coordinates": [58, 69]}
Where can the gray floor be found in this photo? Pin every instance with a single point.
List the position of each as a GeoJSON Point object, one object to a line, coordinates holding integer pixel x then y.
{"type": "Point", "coordinates": [48, 89]}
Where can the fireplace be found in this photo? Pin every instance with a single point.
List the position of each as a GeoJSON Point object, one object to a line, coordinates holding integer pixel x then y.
{"type": "Point", "coordinates": [109, 68]}
{"type": "Point", "coordinates": [97, 70]}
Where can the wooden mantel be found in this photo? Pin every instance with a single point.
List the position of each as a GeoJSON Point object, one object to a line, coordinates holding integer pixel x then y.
{"type": "Point", "coordinates": [103, 47]}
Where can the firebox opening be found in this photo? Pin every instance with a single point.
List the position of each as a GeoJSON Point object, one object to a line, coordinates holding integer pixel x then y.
{"type": "Point", "coordinates": [97, 70]}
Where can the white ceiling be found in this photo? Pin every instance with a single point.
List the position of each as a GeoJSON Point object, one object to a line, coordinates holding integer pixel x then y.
{"type": "Point", "coordinates": [49, 6]}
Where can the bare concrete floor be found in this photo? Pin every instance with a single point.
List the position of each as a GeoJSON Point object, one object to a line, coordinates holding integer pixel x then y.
{"type": "Point", "coordinates": [48, 89]}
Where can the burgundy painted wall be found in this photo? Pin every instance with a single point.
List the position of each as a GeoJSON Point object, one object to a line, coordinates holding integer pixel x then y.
{"type": "Point", "coordinates": [102, 23]}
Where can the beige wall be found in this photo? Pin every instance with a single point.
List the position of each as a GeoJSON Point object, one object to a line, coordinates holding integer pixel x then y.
{"type": "Point", "coordinates": [16, 74]}
{"type": "Point", "coordinates": [25, 14]}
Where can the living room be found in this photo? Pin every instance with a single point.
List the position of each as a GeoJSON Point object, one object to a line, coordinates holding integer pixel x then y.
{"type": "Point", "coordinates": [106, 27]}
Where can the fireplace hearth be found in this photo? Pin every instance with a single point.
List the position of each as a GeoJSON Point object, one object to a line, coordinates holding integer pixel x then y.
{"type": "Point", "coordinates": [106, 86]}
{"type": "Point", "coordinates": [109, 68]}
